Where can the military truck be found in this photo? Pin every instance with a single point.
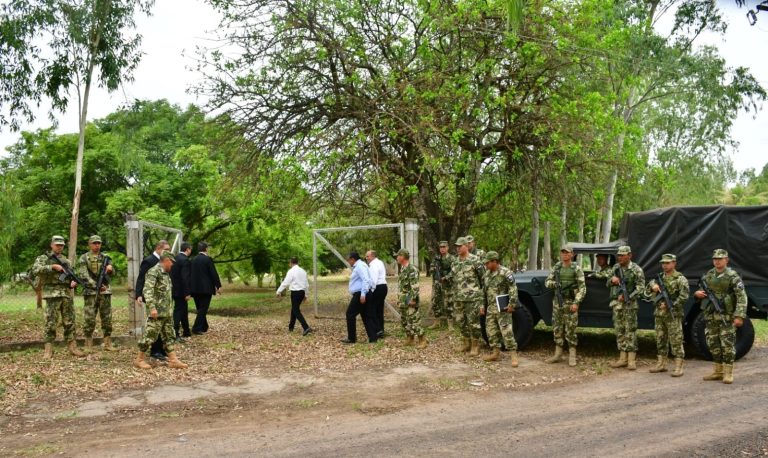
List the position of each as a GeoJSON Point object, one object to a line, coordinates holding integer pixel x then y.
{"type": "Point", "coordinates": [692, 233]}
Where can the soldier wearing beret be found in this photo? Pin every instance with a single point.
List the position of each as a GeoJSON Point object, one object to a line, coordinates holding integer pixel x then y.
{"type": "Point", "coordinates": [625, 308]}
{"type": "Point", "coordinates": [89, 269]}
{"type": "Point", "coordinates": [499, 281]}
{"type": "Point", "coordinates": [408, 298]}
{"type": "Point", "coordinates": [668, 318]}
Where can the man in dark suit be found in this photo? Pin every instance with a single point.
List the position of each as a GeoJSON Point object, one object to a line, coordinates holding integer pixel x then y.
{"type": "Point", "coordinates": [181, 280]}
{"type": "Point", "coordinates": [157, 351]}
{"type": "Point", "coordinates": [205, 283]}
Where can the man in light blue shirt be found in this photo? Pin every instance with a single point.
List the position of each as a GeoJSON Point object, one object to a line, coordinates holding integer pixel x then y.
{"type": "Point", "coordinates": [360, 286]}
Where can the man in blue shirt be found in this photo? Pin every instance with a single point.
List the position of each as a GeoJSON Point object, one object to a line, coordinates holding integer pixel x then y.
{"type": "Point", "coordinates": [360, 286]}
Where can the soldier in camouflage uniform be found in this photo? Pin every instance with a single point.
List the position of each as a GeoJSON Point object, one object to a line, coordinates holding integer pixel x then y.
{"type": "Point", "coordinates": [157, 299]}
{"type": "Point", "coordinates": [441, 305]}
{"type": "Point", "coordinates": [565, 317]}
{"type": "Point", "coordinates": [57, 292]}
{"type": "Point", "coordinates": [408, 298]}
{"type": "Point", "coordinates": [473, 247]}
{"type": "Point", "coordinates": [466, 277]}
{"type": "Point", "coordinates": [499, 281]}
{"type": "Point", "coordinates": [625, 309]}
{"type": "Point", "coordinates": [668, 318]}
{"type": "Point", "coordinates": [89, 269]}
{"type": "Point", "coordinates": [728, 287]}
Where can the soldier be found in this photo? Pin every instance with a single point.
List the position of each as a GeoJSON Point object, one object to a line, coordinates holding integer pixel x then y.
{"type": "Point", "coordinates": [408, 297]}
{"type": "Point", "coordinates": [441, 270]}
{"type": "Point", "coordinates": [466, 278]}
{"type": "Point", "coordinates": [57, 292]}
{"type": "Point", "coordinates": [157, 299]}
{"type": "Point", "coordinates": [499, 281]}
{"type": "Point", "coordinates": [720, 329]}
{"type": "Point", "coordinates": [668, 318]}
{"type": "Point", "coordinates": [88, 269]}
{"type": "Point", "coordinates": [473, 247]}
{"type": "Point", "coordinates": [565, 316]}
{"type": "Point", "coordinates": [625, 308]}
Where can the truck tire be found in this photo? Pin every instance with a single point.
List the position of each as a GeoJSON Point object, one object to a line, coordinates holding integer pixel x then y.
{"type": "Point", "coordinates": [745, 337]}
{"type": "Point", "coordinates": [523, 324]}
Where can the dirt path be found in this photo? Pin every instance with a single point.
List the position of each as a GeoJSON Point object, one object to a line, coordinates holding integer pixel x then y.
{"type": "Point", "coordinates": [423, 411]}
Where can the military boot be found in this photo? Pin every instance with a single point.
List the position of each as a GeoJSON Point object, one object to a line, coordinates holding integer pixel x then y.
{"type": "Point", "coordinates": [632, 360]}
{"type": "Point", "coordinates": [89, 344]}
{"type": "Point", "coordinates": [465, 345]}
{"type": "Point", "coordinates": [661, 365]}
{"type": "Point", "coordinates": [572, 356]}
{"type": "Point", "coordinates": [493, 355]}
{"type": "Point", "coordinates": [727, 374]}
{"type": "Point", "coordinates": [474, 347]}
{"type": "Point", "coordinates": [173, 361]}
{"type": "Point", "coordinates": [48, 353]}
{"type": "Point", "coordinates": [140, 362]}
{"type": "Point", "coordinates": [408, 341]}
{"type": "Point", "coordinates": [73, 350]}
{"type": "Point", "coordinates": [621, 362]}
{"type": "Point", "coordinates": [513, 361]}
{"type": "Point", "coordinates": [557, 356]}
{"type": "Point", "coordinates": [450, 324]}
{"type": "Point", "coordinates": [437, 324]}
{"type": "Point", "coordinates": [422, 342]}
{"type": "Point", "coordinates": [108, 344]}
{"type": "Point", "coordinates": [678, 372]}
{"type": "Point", "coordinates": [717, 373]}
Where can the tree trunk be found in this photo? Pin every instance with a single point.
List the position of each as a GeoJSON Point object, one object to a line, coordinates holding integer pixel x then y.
{"type": "Point", "coordinates": [580, 235]}
{"type": "Point", "coordinates": [609, 198]}
{"type": "Point", "coordinates": [546, 254]}
{"type": "Point", "coordinates": [533, 247]}
{"type": "Point", "coordinates": [564, 225]}
{"type": "Point", "coordinates": [260, 280]}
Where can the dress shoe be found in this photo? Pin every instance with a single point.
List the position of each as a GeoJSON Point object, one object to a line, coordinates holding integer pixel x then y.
{"type": "Point", "coordinates": [347, 341]}
{"type": "Point", "coordinates": [307, 331]}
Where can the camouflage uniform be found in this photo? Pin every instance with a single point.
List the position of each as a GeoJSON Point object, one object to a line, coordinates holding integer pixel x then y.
{"type": "Point", "coordinates": [625, 313]}
{"type": "Point", "coordinates": [466, 279]}
{"type": "Point", "coordinates": [57, 295]}
{"type": "Point", "coordinates": [89, 267]}
{"type": "Point", "coordinates": [441, 290]}
{"type": "Point", "coordinates": [499, 324]}
{"type": "Point", "coordinates": [408, 290]}
{"type": "Point", "coordinates": [668, 324]}
{"type": "Point", "coordinates": [573, 287]}
{"type": "Point", "coordinates": [721, 338]}
{"type": "Point", "coordinates": [157, 295]}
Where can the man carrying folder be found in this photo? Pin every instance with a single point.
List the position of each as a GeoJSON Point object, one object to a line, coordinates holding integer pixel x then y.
{"type": "Point", "coordinates": [500, 300]}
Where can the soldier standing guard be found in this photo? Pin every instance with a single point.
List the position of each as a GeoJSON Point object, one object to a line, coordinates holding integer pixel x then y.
{"type": "Point", "coordinates": [625, 308]}
{"type": "Point", "coordinates": [565, 315]}
{"type": "Point", "coordinates": [466, 278]}
{"type": "Point", "coordinates": [441, 294]}
{"type": "Point", "coordinates": [57, 291]}
{"type": "Point", "coordinates": [89, 270]}
{"type": "Point", "coordinates": [668, 318]}
{"type": "Point", "coordinates": [157, 298]}
{"type": "Point", "coordinates": [499, 281]}
{"type": "Point", "coordinates": [408, 297]}
{"type": "Point", "coordinates": [720, 330]}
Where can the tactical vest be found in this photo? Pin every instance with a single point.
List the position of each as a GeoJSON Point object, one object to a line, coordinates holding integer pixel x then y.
{"type": "Point", "coordinates": [568, 281]}
{"type": "Point", "coordinates": [721, 287]}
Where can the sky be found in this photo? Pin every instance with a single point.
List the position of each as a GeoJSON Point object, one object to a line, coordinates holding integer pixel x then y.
{"type": "Point", "coordinates": [177, 26]}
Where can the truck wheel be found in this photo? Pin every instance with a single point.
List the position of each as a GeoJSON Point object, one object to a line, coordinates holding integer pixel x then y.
{"type": "Point", "coordinates": [522, 319]}
{"type": "Point", "coordinates": [745, 337]}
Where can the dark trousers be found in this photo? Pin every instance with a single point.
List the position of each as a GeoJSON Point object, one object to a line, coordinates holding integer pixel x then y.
{"type": "Point", "coordinates": [296, 298]}
{"type": "Point", "coordinates": [202, 303]}
{"type": "Point", "coordinates": [356, 308]}
{"type": "Point", "coordinates": [379, 295]}
{"type": "Point", "coordinates": [181, 317]}
{"type": "Point", "coordinates": [158, 348]}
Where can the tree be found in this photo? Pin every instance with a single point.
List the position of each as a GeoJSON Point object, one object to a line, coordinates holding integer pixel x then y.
{"type": "Point", "coordinates": [9, 226]}
{"type": "Point", "coordinates": [82, 40]}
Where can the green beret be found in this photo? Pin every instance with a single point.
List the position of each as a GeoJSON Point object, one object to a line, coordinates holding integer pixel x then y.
{"type": "Point", "coordinates": [58, 240]}
{"type": "Point", "coordinates": [719, 253]}
{"type": "Point", "coordinates": [94, 238]}
{"type": "Point", "coordinates": [624, 249]}
{"type": "Point", "coordinates": [491, 256]}
{"type": "Point", "coordinates": [668, 257]}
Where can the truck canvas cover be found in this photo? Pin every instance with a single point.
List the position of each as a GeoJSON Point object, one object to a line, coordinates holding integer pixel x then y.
{"type": "Point", "coordinates": [692, 233]}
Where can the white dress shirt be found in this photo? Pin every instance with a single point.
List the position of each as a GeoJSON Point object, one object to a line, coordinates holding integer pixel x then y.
{"type": "Point", "coordinates": [378, 272]}
{"type": "Point", "coordinates": [295, 279]}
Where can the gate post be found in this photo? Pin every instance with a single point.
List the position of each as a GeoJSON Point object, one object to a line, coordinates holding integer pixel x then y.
{"type": "Point", "coordinates": [412, 240]}
{"type": "Point", "coordinates": [134, 254]}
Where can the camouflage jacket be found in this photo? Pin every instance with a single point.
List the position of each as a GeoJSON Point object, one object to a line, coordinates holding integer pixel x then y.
{"type": "Point", "coordinates": [633, 277]}
{"type": "Point", "coordinates": [157, 291]}
{"type": "Point", "coordinates": [678, 290]}
{"type": "Point", "coordinates": [408, 285]}
{"type": "Point", "coordinates": [729, 289]}
{"type": "Point", "coordinates": [88, 268]}
{"type": "Point", "coordinates": [466, 279]}
{"type": "Point", "coordinates": [497, 284]}
{"type": "Point", "coordinates": [52, 286]}
{"type": "Point", "coordinates": [573, 290]}
{"type": "Point", "coordinates": [442, 264]}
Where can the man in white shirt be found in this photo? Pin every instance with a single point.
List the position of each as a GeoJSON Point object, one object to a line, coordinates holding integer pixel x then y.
{"type": "Point", "coordinates": [296, 280]}
{"type": "Point", "coordinates": [379, 278]}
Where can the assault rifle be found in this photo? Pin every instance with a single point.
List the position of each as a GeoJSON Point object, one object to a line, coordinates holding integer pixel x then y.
{"type": "Point", "coordinates": [558, 289]}
{"type": "Point", "coordinates": [622, 284]}
{"type": "Point", "coordinates": [713, 300]}
{"type": "Point", "coordinates": [102, 276]}
{"type": "Point", "coordinates": [663, 293]}
{"type": "Point", "coordinates": [437, 275]}
{"type": "Point", "coordinates": [67, 274]}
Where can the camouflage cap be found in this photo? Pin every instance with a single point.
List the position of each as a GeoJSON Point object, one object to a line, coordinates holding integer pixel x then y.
{"type": "Point", "coordinates": [58, 240]}
{"type": "Point", "coordinates": [491, 256]}
{"type": "Point", "coordinates": [461, 241]}
{"type": "Point", "coordinates": [404, 252]}
{"type": "Point", "coordinates": [167, 255]}
{"type": "Point", "coordinates": [624, 249]}
{"type": "Point", "coordinates": [469, 238]}
{"type": "Point", "coordinates": [719, 253]}
{"type": "Point", "coordinates": [443, 243]}
{"type": "Point", "coordinates": [567, 248]}
{"type": "Point", "coordinates": [94, 238]}
{"type": "Point", "coordinates": [668, 257]}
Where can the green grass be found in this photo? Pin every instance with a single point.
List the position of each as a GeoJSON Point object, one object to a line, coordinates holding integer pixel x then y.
{"type": "Point", "coordinates": [38, 450]}
{"type": "Point", "coordinates": [761, 331]}
{"type": "Point", "coordinates": [307, 403]}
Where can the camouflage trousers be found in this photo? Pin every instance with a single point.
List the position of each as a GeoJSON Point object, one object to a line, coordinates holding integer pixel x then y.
{"type": "Point", "coordinates": [466, 314]}
{"type": "Point", "coordinates": [410, 318]}
{"type": "Point", "coordinates": [499, 327]}
{"type": "Point", "coordinates": [625, 325]}
{"type": "Point", "coordinates": [160, 326]}
{"type": "Point", "coordinates": [721, 338]}
{"type": "Point", "coordinates": [55, 306]}
{"type": "Point", "coordinates": [564, 324]}
{"type": "Point", "coordinates": [104, 310]}
{"type": "Point", "coordinates": [669, 333]}
{"type": "Point", "coordinates": [440, 302]}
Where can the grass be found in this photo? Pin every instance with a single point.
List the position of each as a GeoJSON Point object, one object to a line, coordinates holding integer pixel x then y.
{"type": "Point", "coordinates": [761, 331]}
{"type": "Point", "coordinates": [170, 415]}
{"type": "Point", "coordinates": [307, 403]}
{"type": "Point", "coordinates": [38, 450]}
{"type": "Point", "coordinates": [65, 415]}
{"type": "Point", "coordinates": [365, 350]}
